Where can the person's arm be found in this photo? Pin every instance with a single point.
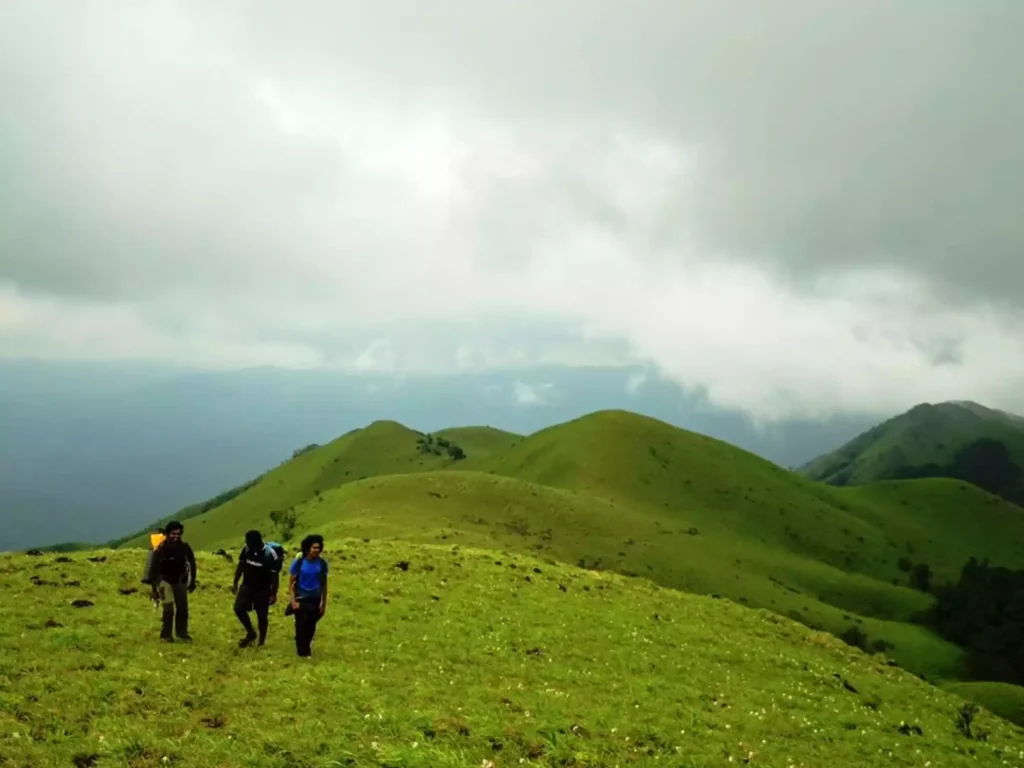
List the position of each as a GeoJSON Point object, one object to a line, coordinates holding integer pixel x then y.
{"type": "Point", "coordinates": [192, 568]}
{"type": "Point", "coordinates": [238, 571]}
{"type": "Point", "coordinates": [154, 574]}
{"type": "Point", "coordinates": [323, 592]}
{"type": "Point", "coordinates": [292, 578]}
{"type": "Point", "coordinates": [275, 583]}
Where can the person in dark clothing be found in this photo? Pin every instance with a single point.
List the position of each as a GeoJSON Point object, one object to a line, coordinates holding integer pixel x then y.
{"type": "Point", "coordinates": [259, 568]}
{"type": "Point", "coordinates": [307, 592]}
{"type": "Point", "coordinates": [174, 566]}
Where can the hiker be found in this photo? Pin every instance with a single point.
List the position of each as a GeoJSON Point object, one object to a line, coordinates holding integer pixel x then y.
{"type": "Point", "coordinates": [307, 592]}
{"type": "Point", "coordinates": [259, 569]}
{"type": "Point", "coordinates": [174, 570]}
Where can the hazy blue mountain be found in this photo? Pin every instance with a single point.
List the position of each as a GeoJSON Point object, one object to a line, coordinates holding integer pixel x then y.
{"type": "Point", "coordinates": [90, 451]}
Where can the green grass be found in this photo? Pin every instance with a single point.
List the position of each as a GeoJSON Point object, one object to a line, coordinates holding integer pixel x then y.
{"type": "Point", "coordinates": [616, 491]}
{"type": "Point", "coordinates": [468, 658]}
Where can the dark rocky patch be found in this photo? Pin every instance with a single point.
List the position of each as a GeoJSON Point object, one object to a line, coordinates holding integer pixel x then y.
{"type": "Point", "coordinates": [128, 590]}
{"type": "Point", "coordinates": [82, 603]}
{"type": "Point", "coordinates": [846, 683]}
{"type": "Point", "coordinates": [402, 565]}
{"type": "Point", "coordinates": [100, 559]}
{"type": "Point", "coordinates": [85, 760]}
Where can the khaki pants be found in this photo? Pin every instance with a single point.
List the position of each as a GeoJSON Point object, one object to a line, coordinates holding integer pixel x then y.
{"type": "Point", "coordinates": [175, 601]}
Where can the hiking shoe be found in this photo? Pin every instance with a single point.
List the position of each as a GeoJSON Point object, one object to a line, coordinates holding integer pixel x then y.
{"type": "Point", "coordinates": [246, 641]}
{"type": "Point", "coordinates": [185, 638]}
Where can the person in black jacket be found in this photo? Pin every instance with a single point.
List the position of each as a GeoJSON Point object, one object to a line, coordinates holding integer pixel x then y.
{"type": "Point", "coordinates": [174, 566]}
{"type": "Point", "coordinates": [259, 569]}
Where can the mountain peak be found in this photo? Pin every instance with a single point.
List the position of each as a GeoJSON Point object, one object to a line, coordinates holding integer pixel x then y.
{"type": "Point", "coordinates": [960, 439]}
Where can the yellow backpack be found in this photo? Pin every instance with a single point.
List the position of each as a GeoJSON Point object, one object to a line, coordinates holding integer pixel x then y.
{"type": "Point", "coordinates": [155, 540]}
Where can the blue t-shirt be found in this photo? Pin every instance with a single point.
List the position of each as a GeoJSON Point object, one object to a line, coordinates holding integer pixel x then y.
{"type": "Point", "coordinates": [308, 575]}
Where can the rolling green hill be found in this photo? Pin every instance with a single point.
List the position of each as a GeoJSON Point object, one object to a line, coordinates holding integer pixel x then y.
{"type": "Point", "coordinates": [382, 448]}
{"type": "Point", "coordinates": [962, 440]}
{"type": "Point", "coordinates": [617, 491]}
{"type": "Point", "coordinates": [463, 657]}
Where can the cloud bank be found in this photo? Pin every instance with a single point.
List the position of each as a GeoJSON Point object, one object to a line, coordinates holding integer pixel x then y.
{"type": "Point", "coordinates": [800, 208]}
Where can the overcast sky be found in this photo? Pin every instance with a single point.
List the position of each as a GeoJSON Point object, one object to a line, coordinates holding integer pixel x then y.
{"type": "Point", "coordinates": [803, 207]}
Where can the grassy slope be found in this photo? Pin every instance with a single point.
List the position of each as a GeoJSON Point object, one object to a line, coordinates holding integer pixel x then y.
{"type": "Point", "coordinates": [466, 659]}
{"type": "Point", "coordinates": [925, 434]}
{"type": "Point", "coordinates": [1003, 699]}
{"type": "Point", "coordinates": [618, 491]}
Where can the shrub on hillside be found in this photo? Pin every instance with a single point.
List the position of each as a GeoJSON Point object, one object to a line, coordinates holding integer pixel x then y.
{"type": "Point", "coordinates": [284, 522]}
{"type": "Point", "coordinates": [921, 577]}
{"type": "Point", "coordinates": [439, 446]}
{"type": "Point", "coordinates": [984, 613]}
{"type": "Point", "coordinates": [855, 636]}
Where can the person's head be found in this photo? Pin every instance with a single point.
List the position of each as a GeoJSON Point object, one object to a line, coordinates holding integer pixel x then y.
{"type": "Point", "coordinates": [312, 546]}
{"type": "Point", "coordinates": [254, 540]}
{"type": "Point", "coordinates": [173, 530]}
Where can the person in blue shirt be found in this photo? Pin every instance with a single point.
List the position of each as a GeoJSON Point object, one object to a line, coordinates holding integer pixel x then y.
{"type": "Point", "coordinates": [307, 592]}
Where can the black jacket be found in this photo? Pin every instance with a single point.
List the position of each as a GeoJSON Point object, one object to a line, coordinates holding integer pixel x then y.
{"type": "Point", "coordinates": [175, 563]}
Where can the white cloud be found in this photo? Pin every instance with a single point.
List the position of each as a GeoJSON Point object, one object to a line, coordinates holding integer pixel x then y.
{"type": "Point", "coordinates": [226, 188]}
{"type": "Point", "coordinates": [635, 382]}
{"type": "Point", "coordinates": [527, 394]}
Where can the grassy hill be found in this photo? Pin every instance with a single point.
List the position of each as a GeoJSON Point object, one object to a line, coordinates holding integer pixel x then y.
{"type": "Point", "coordinates": [947, 439]}
{"type": "Point", "coordinates": [382, 448]}
{"type": "Point", "coordinates": [465, 658]}
{"type": "Point", "coordinates": [614, 491]}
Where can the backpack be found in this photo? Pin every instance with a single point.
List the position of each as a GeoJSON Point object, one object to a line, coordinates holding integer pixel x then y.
{"type": "Point", "coordinates": [274, 553]}
{"type": "Point", "coordinates": [155, 540]}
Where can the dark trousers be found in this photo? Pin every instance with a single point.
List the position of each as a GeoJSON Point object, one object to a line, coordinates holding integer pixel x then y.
{"type": "Point", "coordinates": [306, 619]}
{"type": "Point", "coordinates": [258, 600]}
{"type": "Point", "coordinates": [175, 602]}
